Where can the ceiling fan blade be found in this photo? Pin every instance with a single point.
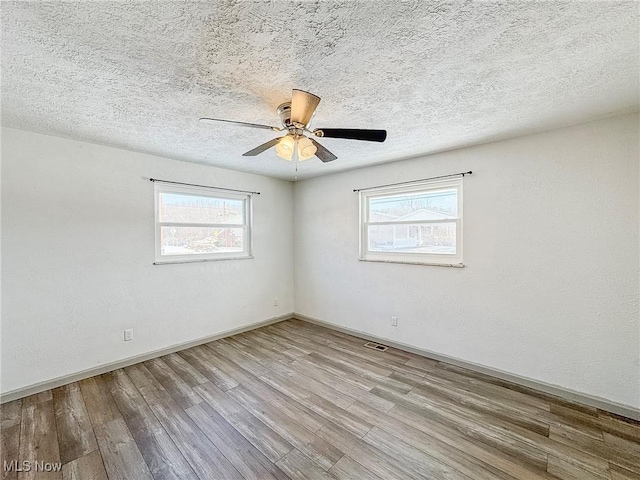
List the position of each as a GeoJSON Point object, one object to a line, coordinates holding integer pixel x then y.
{"type": "Point", "coordinates": [322, 153]}
{"type": "Point", "coordinates": [353, 134]}
{"type": "Point", "coordinates": [244, 124]}
{"type": "Point", "coordinates": [261, 148]}
{"type": "Point", "coordinates": [303, 105]}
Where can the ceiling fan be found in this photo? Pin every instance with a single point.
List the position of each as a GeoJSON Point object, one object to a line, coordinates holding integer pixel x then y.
{"type": "Point", "coordinates": [295, 117]}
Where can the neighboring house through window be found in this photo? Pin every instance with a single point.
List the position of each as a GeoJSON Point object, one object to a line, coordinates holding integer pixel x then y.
{"type": "Point", "coordinates": [413, 223]}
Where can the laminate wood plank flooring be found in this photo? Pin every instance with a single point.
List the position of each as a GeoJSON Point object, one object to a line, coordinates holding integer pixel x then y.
{"type": "Point", "coordinates": [88, 466]}
{"type": "Point", "coordinates": [295, 400]}
{"type": "Point", "coordinates": [75, 435]}
{"type": "Point", "coordinates": [11, 415]}
{"type": "Point", "coordinates": [38, 436]}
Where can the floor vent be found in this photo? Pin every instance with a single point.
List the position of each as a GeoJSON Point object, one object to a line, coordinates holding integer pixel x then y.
{"type": "Point", "coordinates": [376, 346]}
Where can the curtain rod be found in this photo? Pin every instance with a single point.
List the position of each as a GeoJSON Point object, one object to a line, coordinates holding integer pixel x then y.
{"type": "Point", "coordinates": [414, 181]}
{"type": "Point", "coordinates": [205, 186]}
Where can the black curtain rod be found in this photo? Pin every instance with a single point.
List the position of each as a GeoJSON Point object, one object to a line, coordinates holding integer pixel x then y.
{"type": "Point", "coordinates": [414, 181]}
{"type": "Point", "coordinates": [205, 186]}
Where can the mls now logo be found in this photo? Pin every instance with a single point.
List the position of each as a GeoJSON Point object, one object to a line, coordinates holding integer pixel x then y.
{"type": "Point", "coordinates": [28, 466]}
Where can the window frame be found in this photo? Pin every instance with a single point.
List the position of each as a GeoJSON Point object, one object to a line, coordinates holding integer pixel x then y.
{"type": "Point", "coordinates": [435, 259]}
{"type": "Point", "coordinates": [208, 192]}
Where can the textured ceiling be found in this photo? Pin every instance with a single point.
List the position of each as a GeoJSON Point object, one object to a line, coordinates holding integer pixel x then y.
{"type": "Point", "coordinates": [436, 75]}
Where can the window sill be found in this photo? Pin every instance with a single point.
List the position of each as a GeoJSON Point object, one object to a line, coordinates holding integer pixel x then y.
{"type": "Point", "coordinates": [199, 260]}
{"type": "Point", "coordinates": [454, 265]}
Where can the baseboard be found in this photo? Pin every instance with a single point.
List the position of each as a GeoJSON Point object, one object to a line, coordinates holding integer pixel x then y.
{"type": "Point", "coordinates": [108, 367]}
{"type": "Point", "coordinates": [558, 391]}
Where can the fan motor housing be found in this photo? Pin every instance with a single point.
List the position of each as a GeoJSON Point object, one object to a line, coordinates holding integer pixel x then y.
{"type": "Point", "coordinates": [284, 112]}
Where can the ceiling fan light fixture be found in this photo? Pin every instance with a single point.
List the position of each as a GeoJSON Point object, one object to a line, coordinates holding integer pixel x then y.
{"type": "Point", "coordinates": [294, 118]}
{"type": "Point", "coordinates": [306, 149]}
{"type": "Point", "coordinates": [285, 147]}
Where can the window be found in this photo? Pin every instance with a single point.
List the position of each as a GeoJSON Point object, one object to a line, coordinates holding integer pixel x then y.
{"type": "Point", "coordinates": [413, 223]}
{"type": "Point", "coordinates": [198, 223]}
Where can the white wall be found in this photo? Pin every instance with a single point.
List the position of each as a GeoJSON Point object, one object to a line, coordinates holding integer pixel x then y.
{"type": "Point", "coordinates": [550, 290]}
{"type": "Point", "coordinates": [78, 248]}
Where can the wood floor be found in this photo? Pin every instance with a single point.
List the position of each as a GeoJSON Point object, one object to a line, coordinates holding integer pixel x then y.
{"type": "Point", "coordinates": [294, 400]}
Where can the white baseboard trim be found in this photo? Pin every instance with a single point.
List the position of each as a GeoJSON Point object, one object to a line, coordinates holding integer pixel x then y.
{"type": "Point", "coordinates": [565, 393]}
{"type": "Point", "coordinates": [108, 367]}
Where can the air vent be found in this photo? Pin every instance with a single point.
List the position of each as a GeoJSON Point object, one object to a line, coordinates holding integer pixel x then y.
{"type": "Point", "coordinates": [376, 346]}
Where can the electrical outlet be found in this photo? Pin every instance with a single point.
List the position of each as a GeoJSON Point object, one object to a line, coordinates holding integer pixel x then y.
{"type": "Point", "coordinates": [128, 335]}
{"type": "Point", "coordinates": [275, 302]}
{"type": "Point", "coordinates": [394, 321]}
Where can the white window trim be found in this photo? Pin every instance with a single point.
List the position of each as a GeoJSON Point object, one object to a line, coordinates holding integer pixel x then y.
{"type": "Point", "coordinates": [204, 192]}
{"type": "Point", "coordinates": [442, 260]}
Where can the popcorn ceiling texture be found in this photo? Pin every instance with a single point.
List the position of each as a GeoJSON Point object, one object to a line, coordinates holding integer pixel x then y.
{"type": "Point", "coordinates": [436, 75]}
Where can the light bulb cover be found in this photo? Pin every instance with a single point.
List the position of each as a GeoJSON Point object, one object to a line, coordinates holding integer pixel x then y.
{"type": "Point", "coordinates": [285, 147]}
{"type": "Point", "coordinates": [306, 149]}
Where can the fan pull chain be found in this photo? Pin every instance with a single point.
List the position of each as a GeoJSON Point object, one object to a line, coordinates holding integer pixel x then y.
{"type": "Point", "coordinates": [295, 178]}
